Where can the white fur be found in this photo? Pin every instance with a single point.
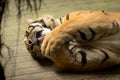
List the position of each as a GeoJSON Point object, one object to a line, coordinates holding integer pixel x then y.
{"type": "Point", "coordinates": [34, 24]}
{"type": "Point", "coordinates": [25, 39]}
{"type": "Point", "coordinates": [45, 30]}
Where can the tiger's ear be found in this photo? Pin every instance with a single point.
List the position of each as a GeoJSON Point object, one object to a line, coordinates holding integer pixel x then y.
{"type": "Point", "coordinates": [27, 33]}
{"type": "Point", "coordinates": [29, 21]}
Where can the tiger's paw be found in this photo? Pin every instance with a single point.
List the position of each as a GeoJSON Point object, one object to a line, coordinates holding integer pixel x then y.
{"type": "Point", "coordinates": [53, 43]}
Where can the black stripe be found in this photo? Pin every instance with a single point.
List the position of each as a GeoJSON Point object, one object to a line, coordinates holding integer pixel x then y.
{"type": "Point", "coordinates": [93, 33]}
{"type": "Point", "coordinates": [113, 24]}
{"type": "Point", "coordinates": [83, 36]}
{"type": "Point", "coordinates": [74, 61]}
{"type": "Point", "coordinates": [27, 33]}
{"type": "Point", "coordinates": [106, 56]}
{"type": "Point", "coordinates": [37, 21]}
{"type": "Point", "coordinates": [104, 12]}
{"type": "Point", "coordinates": [40, 21]}
{"type": "Point", "coordinates": [73, 55]}
{"type": "Point", "coordinates": [52, 20]}
{"type": "Point", "coordinates": [116, 25]}
{"type": "Point", "coordinates": [72, 48]}
{"type": "Point", "coordinates": [43, 23]}
{"type": "Point", "coordinates": [33, 27]}
{"type": "Point", "coordinates": [102, 35]}
{"type": "Point", "coordinates": [67, 16]}
{"type": "Point", "coordinates": [84, 59]}
{"type": "Point", "coordinates": [60, 20]}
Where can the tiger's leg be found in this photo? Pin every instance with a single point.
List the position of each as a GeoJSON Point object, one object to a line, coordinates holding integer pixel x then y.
{"type": "Point", "coordinates": [99, 28]}
{"type": "Point", "coordinates": [89, 57]}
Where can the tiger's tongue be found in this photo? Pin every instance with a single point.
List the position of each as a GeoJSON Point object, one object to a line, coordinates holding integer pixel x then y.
{"type": "Point", "coordinates": [41, 38]}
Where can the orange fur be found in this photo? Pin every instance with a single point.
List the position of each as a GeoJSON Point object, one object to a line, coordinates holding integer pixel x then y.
{"type": "Point", "coordinates": [56, 47]}
{"type": "Point", "coordinates": [93, 35]}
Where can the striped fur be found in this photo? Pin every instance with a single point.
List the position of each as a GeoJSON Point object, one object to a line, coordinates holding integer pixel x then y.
{"type": "Point", "coordinates": [79, 41]}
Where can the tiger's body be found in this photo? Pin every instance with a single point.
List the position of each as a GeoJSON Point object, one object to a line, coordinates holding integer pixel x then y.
{"type": "Point", "coordinates": [84, 41]}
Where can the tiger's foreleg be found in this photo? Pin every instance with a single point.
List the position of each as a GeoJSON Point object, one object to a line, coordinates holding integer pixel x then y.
{"type": "Point", "coordinates": [88, 43]}
{"type": "Point", "coordinates": [84, 33]}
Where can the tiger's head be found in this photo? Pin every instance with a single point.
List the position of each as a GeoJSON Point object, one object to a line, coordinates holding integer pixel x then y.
{"type": "Point", "coordinates": [36, 32]}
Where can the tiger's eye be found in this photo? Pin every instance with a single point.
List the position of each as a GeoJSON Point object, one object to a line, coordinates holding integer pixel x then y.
{"type": "Point", "coordinates": [29, 42]}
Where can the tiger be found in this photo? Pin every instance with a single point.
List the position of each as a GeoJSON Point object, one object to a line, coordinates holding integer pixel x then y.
{"type": "Point", "coordinates": [39, 28]}
{"type": "Point", "coordinates": [84, 41]}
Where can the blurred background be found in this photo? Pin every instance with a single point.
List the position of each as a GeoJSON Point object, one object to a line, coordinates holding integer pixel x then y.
{"type": "Point", "coordinates": [17, 62]}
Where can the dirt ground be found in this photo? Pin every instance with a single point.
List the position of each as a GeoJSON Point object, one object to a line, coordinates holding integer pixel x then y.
{"type": "Point", "coordinates": [20, 64]}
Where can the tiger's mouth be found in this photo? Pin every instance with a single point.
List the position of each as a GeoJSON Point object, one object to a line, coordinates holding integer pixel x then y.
{"type": "Point", "coordinates": [37, 38]}
{"type": "Point", "coordinates": [40, 35]}
{"type": "Point", "coordinates": [41, 38]}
